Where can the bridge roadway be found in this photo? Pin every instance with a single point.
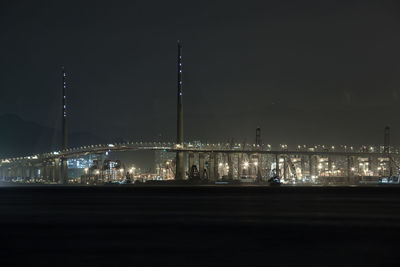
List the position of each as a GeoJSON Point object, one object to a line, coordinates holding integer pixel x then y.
{"type": "Point", "coordinates": [21, 166]}
{"type": "Point", "coordinates": [208, 148]}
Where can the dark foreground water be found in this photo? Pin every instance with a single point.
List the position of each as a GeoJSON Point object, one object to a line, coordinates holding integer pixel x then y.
{"type": "Point", "coordinates": [199, 226]}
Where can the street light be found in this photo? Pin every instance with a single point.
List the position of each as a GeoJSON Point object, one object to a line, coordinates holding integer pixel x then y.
{"type": "Point", "coordinates": [246, 164]}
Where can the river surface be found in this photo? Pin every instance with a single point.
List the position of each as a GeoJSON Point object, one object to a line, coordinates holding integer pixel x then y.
{"type": "Point", "coordinates": [199, 226]}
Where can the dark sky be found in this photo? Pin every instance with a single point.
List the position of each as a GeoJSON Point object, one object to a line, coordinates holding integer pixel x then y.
{"type": "Point", "coordinates": [304, 71]}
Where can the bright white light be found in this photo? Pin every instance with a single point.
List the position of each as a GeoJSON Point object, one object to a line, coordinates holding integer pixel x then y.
{"type": "Point", "coordinates": [110, 145]}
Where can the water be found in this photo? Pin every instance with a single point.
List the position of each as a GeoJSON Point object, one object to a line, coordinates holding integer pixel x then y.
{"type": "Point", "coordinates": [200, 226]}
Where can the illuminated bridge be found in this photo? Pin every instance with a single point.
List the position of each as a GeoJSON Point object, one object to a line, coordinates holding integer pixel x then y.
{"type": "Point", "coordinates": [317, 164]}
{"type": "Point", "coordinates": [227, 161]}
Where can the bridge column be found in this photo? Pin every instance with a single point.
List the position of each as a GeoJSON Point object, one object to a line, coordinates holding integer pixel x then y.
{"type": "Point", "coordinates": [23, 171]}
{"type": "Point", "coordinates": [390, 166]}
{"type": "Point", "coordinates": [370, 167]}
{"type": "Point", "coordinates": [330, 166]}
{"type": "Point", "coordinates": [18, 171]}
{"type": "Point", "coordinates": [9, 172]}
{"type": "Point", "coordinates": [31, 172]}
{"type": "Point", "coordinates": [99, 178]}
{"type": "Point", "coordinates": [64, 171]}
{"type": "Point", "coordinates": [211, 170]}
{"type": "Point", "coordinates": [43, 173]}
{"type": "Point", "coordinates": [14, 171]}
{"type": "Point", "coordinates": [191, 161]}
{"type": "Point", "coordinates": [57, 170]}
{"type": "Point", "coordinates": [53, 171]}
{"type": "Point", "coordinates": [216, 166]}
{"type": "Point", "coordinates": [46, 172]}
{"type": "Point", "coordinates": [285, 166]}
{"type": "Point", "coordinates": [258, 168]}
{"type": "Point", "coordinates": [302, 166]}
{"type": "Point", "coordinates": [49, 168]}
{"type": "Point", "coordinates": [180, 166]}
{"type": "Point", "coordinates": [348, 166]}
{"type": "Point", "coordinates": [356, 165]}
{"type": "Point", "coordinates": [277, 170]}
{"type": "Point", "coordinates": [350, 172]}
{"type": "Point", "coordinates": [239, 174]}
{"type": "Point", "coordinates": [230, 166]}
{"type": "Point", "coordinates": [201, 165]}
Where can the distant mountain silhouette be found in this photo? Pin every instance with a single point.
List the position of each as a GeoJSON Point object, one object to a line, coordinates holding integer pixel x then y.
{"type": "Point", "coordinates": [19, 137]}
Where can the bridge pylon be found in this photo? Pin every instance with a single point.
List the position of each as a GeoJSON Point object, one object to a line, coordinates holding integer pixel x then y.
{"type": "Point", "coordinates": [180, 164]}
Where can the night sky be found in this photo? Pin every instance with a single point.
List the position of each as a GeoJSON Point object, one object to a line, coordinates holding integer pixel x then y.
{"type": "Point", "coordinates": [306, 72]}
